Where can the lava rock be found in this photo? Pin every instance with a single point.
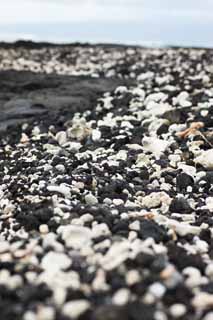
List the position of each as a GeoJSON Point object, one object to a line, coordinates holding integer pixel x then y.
{"type": "Point", "coordinates": [184, 180]}
{"type": "Point", "coordinates": [180, 205]}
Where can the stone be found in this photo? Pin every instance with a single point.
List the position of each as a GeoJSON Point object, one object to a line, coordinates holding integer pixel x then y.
{"type": "Point", "coordinates": [55, 261]}
{"type": "Point", "coordinates": [184, 180]}
{"type": "Point", "coordinates": [91, 200]}
{"type": "Point", "coordinates": [74, 309]}
{"type": "Point", "coordinates": [116, 255]}
{"type": "Point", "coordinates": [46, 313]}
{"type": "Point", "coordinates": [61, 138]}
{"type": "Point", "coordinates": [178, 310]}
{"type": "Point", "coordinates": [60, 168]}
{"type": "Point", "coordinates": [76, 237]}
{"type": "Point", "coordinates": [155, 145]}
{"type": "Point", "coordinates": [79, 130]}
{"type": "Point", "coordinates": [180, 205]}
{"type": "Point", "coordinates": [203, 300]}
{"type": "Point", "coordinates": [96, 135]}
{"type": "Point", "coordinates": [100, 229]}
{"type": "Point", "coordinates": [208, 316]}
{"type": "Point", "coordinates": [43, 228]}
{"type": "Point", "coordinates": [62, 189]}
{"type": "Point", "coordinates": [157, 290]}
{"type": "Point", "coordinates": [205, 159]}
{"type": "Point", "coordinates": [156, 199]}
{"type": "Point", "coordinates": [121, 297]}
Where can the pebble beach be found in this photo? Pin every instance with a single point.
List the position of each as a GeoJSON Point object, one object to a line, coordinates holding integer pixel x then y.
{"type": "Point", "coordinates": [106, 175]}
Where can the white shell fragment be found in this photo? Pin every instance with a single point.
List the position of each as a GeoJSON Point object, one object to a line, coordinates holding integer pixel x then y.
{"type": "Point", "coordinates": [205, 159]}
{"type": "Point", "coordinates": [75, 236]}
{"type": "Point", "coordinates": [74, 309]}
{"type": "Point", "coordinates": [154, 145]}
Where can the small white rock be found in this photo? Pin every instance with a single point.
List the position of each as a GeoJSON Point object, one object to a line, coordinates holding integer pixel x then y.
{"type": "Point", "coordinates": [209, 203]}
{"type": "Point", "coordinates": [209, 270]}
{"type": "Point", "coordinates": [55, 261]}
{"type": "Point", "coordinates": [157, 290]}
{"type": "Point", "coordinates": [73, 146]}
{"type": "Point", "coordinates": [121, 297]}
{"type": "Point", "coordinates": [209, 316]}
{"type": "Point", "coordinates": [43, 228]}
{"type": "Point", "coordinates": [96, 135]}
{"type": "Point", "coordinates": [60, 168]}
{"type": "Point", "coordinates": [91, 200]}
{"type": "Point", "coordinates": [205, 159]}
{"type": "Point", "coordinates": [155, 199]}
{"type": "Point", "coordinates": [116, 255]}
{"type": "Point", "coordinates": [76, 237]}
{"type": "Point", "coordinates": [4, 246]}
{"type": "Point", "coordinates": [155, 145]}
{"type": "Point", "coordinates": [178, 310]}
{"type": "Point", "coordinates": [118, 202]}
{"type": "Point", "coordinates": [61, 138]}
{"type": "Point", "coordinates": [121, 89]}
{"type": "Point", "coordinates": [132, 277]}
{"type": "Point", "coordinates": [203, 300]}
{"type": "Point", "coordinates": [74, 309]}
{"type": "Point", "coordinates": [29, 315]}
{"type": "Point", "coordinates": [64, 190]}
{"type": "Point", "coordinates": [101, 229]}
{"type": "Point", "coordinates": [135, 225]}
{"type": "Point", "coordinates": [46, 313]}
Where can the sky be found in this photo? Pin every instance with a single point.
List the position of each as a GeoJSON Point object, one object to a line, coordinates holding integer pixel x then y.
{"type": "Point", "coordinates": [157, 22]}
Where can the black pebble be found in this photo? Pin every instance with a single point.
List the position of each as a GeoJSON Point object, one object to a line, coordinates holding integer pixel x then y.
{"type": "Point", "coordinates": [184, 180]}
{"type": "Point", "coordinates": [180, 205]}
{"type": "Point", "coordinates": [110, 312]}
{"type": "Point", "coordinates": [150, 229]}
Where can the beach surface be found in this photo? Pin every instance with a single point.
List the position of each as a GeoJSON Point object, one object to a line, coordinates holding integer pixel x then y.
{"type": "Point", "coordinates": [106, 174]}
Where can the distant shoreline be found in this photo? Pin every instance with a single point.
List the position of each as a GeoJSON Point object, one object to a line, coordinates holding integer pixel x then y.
{"type": "Point", "coordinates": [29, 44]}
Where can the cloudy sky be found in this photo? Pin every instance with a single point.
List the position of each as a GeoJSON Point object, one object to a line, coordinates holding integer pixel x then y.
{"type": "Point", "coordinates": [187, 22]}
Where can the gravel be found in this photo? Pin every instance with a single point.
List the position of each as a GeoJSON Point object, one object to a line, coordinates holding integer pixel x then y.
{"type": "Point", "coordinates": [106, 195]}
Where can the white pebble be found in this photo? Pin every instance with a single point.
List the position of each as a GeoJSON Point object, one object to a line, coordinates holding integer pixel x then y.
{"type": "Point", "coordinates": [116, 255]}
{"type": "Point", "coordinates": [157, 290]}
{"type": "Point", "coordinates": [209, 316]}
{"type": "Point", "coordinates": [135, 225]}
{"type": "Point", "coordinates": [60, 168]}
{"type": "Point", "coordinates": [203, 300]}
{"type": "Point", "coordinates": [91, 200]}
{"type": "Point", "coordinates": [178, 310]}
{"type": "Point", "coordinates": [74, 309]}
{"type": "Point", "coordinates": [101, 229]}
{"type": "Point", "coordinates": [121, 89]}
{"type": "Point", "coordinates": [61, 138]}
{"type": "Point", "coordinates": [43, 228]}
{"type": "Point", "coordinates": [118, 202]}
{"type": "Point", "coordinates": [205, 159]}
{"type": "Point", "coordinates": [64, 190]}
{"type": "Point", "coordinates": [96, 135]}
{"type": "Point", "coordinates": [121, 297]}
{"type": "Point", "coordinates": [209, 270]}
{"type": "Point", "coordinates": [4, 246]}
{"type": "Point", "coordinates": [46, 313]}
{"type": "Point", "coordinates": [55, 261]}
{"type": "Point", "coordinates": [29, 315]}
{"type": "Point", "coordinates": [76, 237]}
{"type": "Point", "coordinates": [154, 145]}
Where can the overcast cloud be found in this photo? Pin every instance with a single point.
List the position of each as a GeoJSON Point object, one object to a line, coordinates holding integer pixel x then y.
{"type": "Point", "coordinates": [159, 20]}
{"type": "Point", "coordinates": [56, 11]}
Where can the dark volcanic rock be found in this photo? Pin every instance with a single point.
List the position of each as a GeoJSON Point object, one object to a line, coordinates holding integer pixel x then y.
{"type": "Point", "coordinates": [180, 205]}
{"type": "Point", "coordinates": [28, 96]}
